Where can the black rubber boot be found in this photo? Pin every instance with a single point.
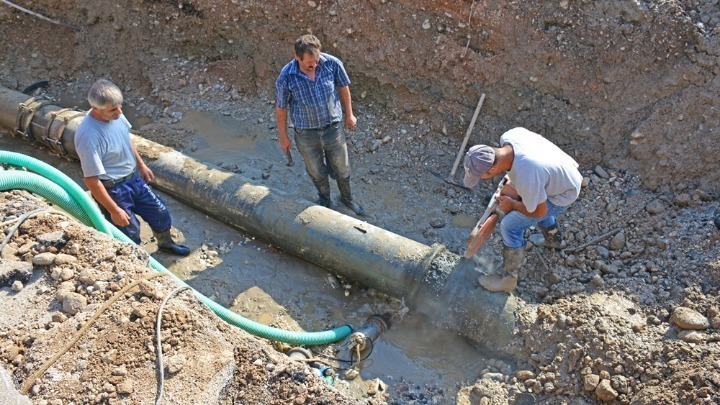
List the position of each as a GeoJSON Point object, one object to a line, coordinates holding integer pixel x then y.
{"type": "Point", "coordinates": [346, 197]}
{"type": "Point", "coordinates": [716, 220]}
{"type": "Point", "coordinates": [512, 261]}
{"type": "Point", "coordinates": [166, 244]}
{"type": "Point", "coordinates": [323, 188]}
{"type": "Point", "coordinates": [553, 237]}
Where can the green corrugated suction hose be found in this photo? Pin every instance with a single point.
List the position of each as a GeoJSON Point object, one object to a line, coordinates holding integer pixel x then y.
{"type": "Point", "coordinates": [60, 179]}
{"type": "Point", "coordinates": [58, 188]}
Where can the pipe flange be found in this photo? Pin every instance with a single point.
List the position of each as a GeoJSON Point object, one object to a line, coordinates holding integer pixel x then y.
{"type": "Point", "coordinates": [26, 112]}
{"type": "Point", "coordinates": [299, 353]}
{"type": "Point", "coordinates": [381, 321]}
{"type": "Point", "coordinates": [58, 122]}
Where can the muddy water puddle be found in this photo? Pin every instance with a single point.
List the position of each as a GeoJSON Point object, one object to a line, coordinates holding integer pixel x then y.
{"type": "Point", "coordinates": [262, 283]}
{"type": "Point", "coordinates": [219, 137]}
{"type": "Point", "coordinates": [411, 349]}
{"type": "Point", "coordinates": [465, 220]}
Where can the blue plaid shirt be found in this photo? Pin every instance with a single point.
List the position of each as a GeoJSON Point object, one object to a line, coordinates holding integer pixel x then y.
{"type": "Point", "coordinates": [312, 104]}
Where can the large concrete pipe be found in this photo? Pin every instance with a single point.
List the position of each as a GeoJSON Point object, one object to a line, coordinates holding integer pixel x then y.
{"type": "Point", "coordinates": [431, 279]}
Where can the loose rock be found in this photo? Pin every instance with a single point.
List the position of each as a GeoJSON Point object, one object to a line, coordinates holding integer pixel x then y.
{"type": "Point", "coordinates": [686, 318]}
{"type": "Point", "coordinates": [73, 303]}
{"type": "Point", "coordinates": [605, 391]}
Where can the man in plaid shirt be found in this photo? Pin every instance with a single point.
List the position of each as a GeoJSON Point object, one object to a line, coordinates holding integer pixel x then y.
{"type": "Point", "coordinates": [314, 88]}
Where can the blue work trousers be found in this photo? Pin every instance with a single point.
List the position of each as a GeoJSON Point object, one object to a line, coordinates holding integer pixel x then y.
{"type": "Point", "coordinates": [134, 196]}
{"type": "Point", "coordinates": [514, 224]}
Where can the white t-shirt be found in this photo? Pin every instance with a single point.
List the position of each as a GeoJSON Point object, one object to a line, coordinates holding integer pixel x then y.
{"type": "Point", "coordinates": [541, 171]}
{"type": "Point", "coordinates": [104, 148]}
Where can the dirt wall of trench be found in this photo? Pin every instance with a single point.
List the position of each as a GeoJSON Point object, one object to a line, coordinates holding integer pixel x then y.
{"type": "Point", "coordinates": [630, 84]}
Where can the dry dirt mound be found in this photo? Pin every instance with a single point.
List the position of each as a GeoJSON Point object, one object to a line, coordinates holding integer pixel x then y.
{"type": "Point", "coordinates": [630, 306]}
{"type": "Point", "coordinates": [57, 278]}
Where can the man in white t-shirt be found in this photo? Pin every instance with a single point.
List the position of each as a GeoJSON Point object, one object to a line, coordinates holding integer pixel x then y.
{"type": "Point", "coordinates": [544, 181]}
{"type": "Point", "coordinates": [116, 174]}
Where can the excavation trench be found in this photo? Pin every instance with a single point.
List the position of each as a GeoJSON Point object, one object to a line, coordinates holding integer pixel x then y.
{"type": "Point", "coordinates": [431, 280]}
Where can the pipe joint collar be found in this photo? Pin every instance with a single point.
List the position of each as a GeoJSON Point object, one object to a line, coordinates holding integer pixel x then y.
{"type": "Point", "coordinates": [25, 114]}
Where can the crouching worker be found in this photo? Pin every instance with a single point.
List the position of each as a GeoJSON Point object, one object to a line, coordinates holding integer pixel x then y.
{"type": "Point", "coordinates": [116, 174]}
{"type": "Point", "coordinates": [544, 181]}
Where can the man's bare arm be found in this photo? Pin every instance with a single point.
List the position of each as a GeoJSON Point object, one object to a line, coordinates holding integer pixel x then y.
{"type": "Point", "coordinates": [144, 171]}
{"type": "Point", "coordinates": [346, 101]}
{"type": "Point", "coordinates": [508, 204]}
{"type": "Point", "coordinates": [283, 139]}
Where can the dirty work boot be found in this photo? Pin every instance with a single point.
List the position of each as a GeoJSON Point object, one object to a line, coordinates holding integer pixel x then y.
{"type": "Point", "coordinates": [166, 244]}
{"type": "Point", "coordinates": [346, 197]}
{"type": "Point", "coordinates": [553, 237]}
{"type": "Point", "coordinates": [512, 261]}
{"type": "Point", "coordinates": [323, 188]}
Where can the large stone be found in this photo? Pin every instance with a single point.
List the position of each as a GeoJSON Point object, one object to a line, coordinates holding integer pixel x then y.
{"type": "Point", "coordinates": [618, 241]}
{"type": "Point", "coordinates": [56, 239]}
{"type": "Point", "coordinates": [620, 383]}
{"type": "Point", "coordinates": [714, 315]}
{"type": "Point", "coordinates": [494, 376]}
{"type": "Point", "coordinates": [683, 200]}
{"type": "Point", "coordinates": [590, 382]}
{"type": "Point", "coordinates": [602, 173]}
{"type": "Point", "coordinates": [605, 391]}
{"type": "Point", "coordinates": [125, 387]}
{"type": "Point", "coordinates": [523, 375]}
{"type": "Point", "coordinates": [62, 258]}
{"type": "Point", "coordinates": [686, 318]}
{"type": "Point", "coordinates": [73, 303]}
{"type": "Point", "coordinates": [175, 363]}
{"type": "Point", "coordinates": [44, 259]}
{"type": "Point", "coordinates": [655, 207]}
{"type": "Point", "coordinates": [692, 336]}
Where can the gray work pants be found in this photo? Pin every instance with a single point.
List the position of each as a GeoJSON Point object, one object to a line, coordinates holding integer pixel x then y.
{"type": "Point", "coordinates": [321, 146]}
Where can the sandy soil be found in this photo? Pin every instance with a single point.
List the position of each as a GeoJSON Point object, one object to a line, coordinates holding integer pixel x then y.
{"type": "Point", "coordinates": [627, 88]}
